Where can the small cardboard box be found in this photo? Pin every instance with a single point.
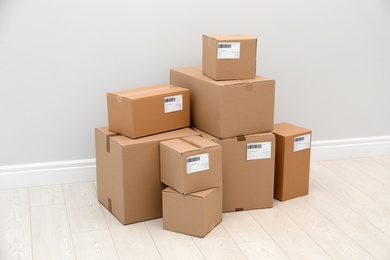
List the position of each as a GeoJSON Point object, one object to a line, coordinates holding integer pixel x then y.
{"type": "Point", "coordinates": [128, 173]}
{"type": "Point", "coordinates": [228, 108]}
{"type": "Point", "coordinates": [191, 164]}
{"type": "Point", "coordinates": [248, 164]}
{"type": "Point", "coordinates": [195, 214]}
{"type": "Point", "coordinates": [227, 57]}
{"type": "Point", "coordinates": [292, 161]}
{"type": "Point", "coordinates": [148, 110]}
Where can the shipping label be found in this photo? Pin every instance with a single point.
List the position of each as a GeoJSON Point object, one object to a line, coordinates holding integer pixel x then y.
{"type": "Point", "coordinates": [228, 50]}
{"type": "Point", "coordinates": [257, 151]}
{"type": "Point", "coordinates": [173, 103]}
{"type": "Point", "coordinates": [197, 163]}
{"type": "Point", "coordinates": [302, 142]}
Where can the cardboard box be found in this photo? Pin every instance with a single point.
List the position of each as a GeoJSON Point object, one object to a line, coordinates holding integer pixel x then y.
{"type": "Point", "coordinates": [191, 164]}
{"type": "Point", "coordinates": [128, 173]}
{"type": "Point", "coordinates": [228, 108]}
{"type": "Point", "coordinates": [148, 110]}
{"type": "Point", "coordinates": [194, 214]}
{"type": "Point", "coordinates": [228, 57]}
{"type": "Point", "coordinates": [292, 161]}
{"type": "Point", "coordinates": [248, 164]}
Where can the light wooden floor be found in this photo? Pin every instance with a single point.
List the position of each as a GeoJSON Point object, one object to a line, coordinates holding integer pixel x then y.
{"type": "Point", "coordinates": [345, 216]}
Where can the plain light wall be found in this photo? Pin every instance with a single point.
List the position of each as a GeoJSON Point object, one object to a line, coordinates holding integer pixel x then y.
{"type": "Point", "coordinates": [58, 59]}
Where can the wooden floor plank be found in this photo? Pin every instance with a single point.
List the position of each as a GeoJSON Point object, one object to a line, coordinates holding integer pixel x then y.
{"type": "Point", "coordinates": [243, 228]}
{"type": "Point", "coordinates": [266, 249]}
{"type": "Point", "coordinates": [172, 245]}
{"type": "Point", "coordinates": [51, 237]}
{"type": "Point", "coordinates": [287, 235]}
{"type": "Point", "coordinates": [131, 241]}
{"type": "Point", "coordinates": [83, 208]}
{"type": "Point", "coordinates": [375, 242]}
{"type": "Point", "coordinates": [15, 230]}
{"type": "Point", "coordinates": [326, 234]}
{"type": "Point", "coordinates": [368, 208]}
{"type": "Point", "coordinates": [94, 245]}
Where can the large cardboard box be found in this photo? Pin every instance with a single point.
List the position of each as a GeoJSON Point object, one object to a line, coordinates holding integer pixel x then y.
{"type": "Point", "coordinates": [228, 108]}
{"type": "Point", "coordinates": [194, 214]}
{"type": "Point", "coordinates": [191, 164]}
{"type": "Point", "coordinates": [148, 110]}
{"type": "Point", "coordinates": [228, 57]}
{"type": "Point", "coordinates": [128, 173]}
{"type": "Point", "coordinates": [292, 161]}
{"type": "Point", "coordinates": [248, 164]}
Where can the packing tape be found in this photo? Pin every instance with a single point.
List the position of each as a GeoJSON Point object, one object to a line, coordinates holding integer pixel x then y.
{"type": "Point", "coordinates": [109, 205]}
{"type": "Point", "coordinates": [241, 138]}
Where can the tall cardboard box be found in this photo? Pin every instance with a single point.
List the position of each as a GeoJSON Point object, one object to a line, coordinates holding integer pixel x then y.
{"type": "Point", "coordinates": [128, 173]}
{"type": "Point", "coordinates": [191, 164]}
{"type": "Point", "coordinates": [248, 164]}
{"type": "Point", "coordinates": [228, 108]}
{"type": "Point", "coordinates": [148, 110]}
{"type": "Point", "coordinates": [193, 214]}
{"type": "Point", "coordinates": [292, 162]}
{"type": "Point", "coordinates": [226, 57]}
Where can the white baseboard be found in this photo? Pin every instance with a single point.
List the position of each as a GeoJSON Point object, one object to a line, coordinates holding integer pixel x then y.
{"type": "Point", "coordinates": [41, 174]}
{"type": "Point", "coordinates": [350, 148]}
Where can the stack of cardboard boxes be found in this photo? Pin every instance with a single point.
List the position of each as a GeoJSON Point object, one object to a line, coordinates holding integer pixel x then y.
{"type": "Point", "coordinates": [150, 164]}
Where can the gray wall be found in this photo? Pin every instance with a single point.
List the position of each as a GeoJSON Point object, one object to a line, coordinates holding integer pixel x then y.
{"type": "Point", "coordinates": [58, 59]}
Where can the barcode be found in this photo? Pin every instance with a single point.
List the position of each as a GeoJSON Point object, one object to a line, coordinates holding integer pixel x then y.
{"type": "Point", "coordinates": [193, 159]}
{"type": "Point", "coordinates": [171, 99]}
{"type": "Point", "coordinates": [224, 45]}
{"type": "Point", "coordinates": [298, 139]}
{"type": "Point", "coordinates": [254, 146]}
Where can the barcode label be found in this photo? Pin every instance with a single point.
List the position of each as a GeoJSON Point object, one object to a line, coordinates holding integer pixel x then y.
{"type": "Point", "coordinates": [197, 163]}
{"type": "Point", "coordinates": [257, 151]}
{"type": "Point", "coordinates": [254, 146]}
{"type": "Point", "coordinates": [224, 45]}
{"type": "Point", "coordinates": [302, 142]}
{"type": "Point", "coordinates": [228, 50]}
{"type": "Point", "coordinates": [173, 103]}
{"type": "Point", "coordinates": [171, 99]}
{"type": "Point", "coordinates": [193, 159]}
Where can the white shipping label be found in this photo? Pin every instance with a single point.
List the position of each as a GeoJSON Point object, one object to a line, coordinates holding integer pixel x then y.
{"type": "Point", "coordinates": [197, 163]}
{"type": "Point", "coordinates": [174, 103]}
{"type": "Point", "coordinates": [256, 151]}
{"type": "Point", "coordinates": [228, 50]}
{"type": "Point", "coordinates": [302, 142]}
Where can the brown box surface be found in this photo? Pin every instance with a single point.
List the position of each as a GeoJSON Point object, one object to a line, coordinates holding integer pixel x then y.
{"type": "Point", "coordinates": [191, 164]}
{"type": "Point", "coordinates": [228, 57]}
{"type": "Point", "coordinates": [247, 171]}
{"type": "Point", "coordinates": [193, 214]}
{"type": "Point", "coordinates": [292, 161]}
{"type": "Point", "coordinates": [148, 110]}
{"type": "Point", "coordinates": [128, 173]}
{"type": "Point", "coordinates": [228, 108]}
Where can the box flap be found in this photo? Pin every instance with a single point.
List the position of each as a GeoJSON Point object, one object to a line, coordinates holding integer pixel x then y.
{"type": "Point", "coordinates": [199, 141]}
{"type": "Point", "coordinates": [143, 92]}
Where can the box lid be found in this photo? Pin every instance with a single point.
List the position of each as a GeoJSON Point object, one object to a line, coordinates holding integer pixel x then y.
{"type": "Point", "coordinates": [143, 92]}
{"type": "Point", "coordinates": [197, 72]}
{"type": "Point", "coordinates": [287, 129]}
{"type": "Point", "coordinates": [230, 37]}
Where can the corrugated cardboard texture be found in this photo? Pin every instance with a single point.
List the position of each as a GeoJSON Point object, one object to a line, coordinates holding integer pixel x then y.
{"type": "Point", "coordinates": [128, 173]}
{"type": "Point", "coordinates": [228, 108]}
{"type": "Point", "coordinates": [226, 69]}
{"type": "Point", "coordinates": [140, 112]}
{"type": "Point", "coordinates": [292, 169]}
{"type": "Point", "coordinates": [194, 214]}
{"type": "Point", "coordinates": [246, 184]}
{"type": "Point", "coordinates": [173, 159]}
